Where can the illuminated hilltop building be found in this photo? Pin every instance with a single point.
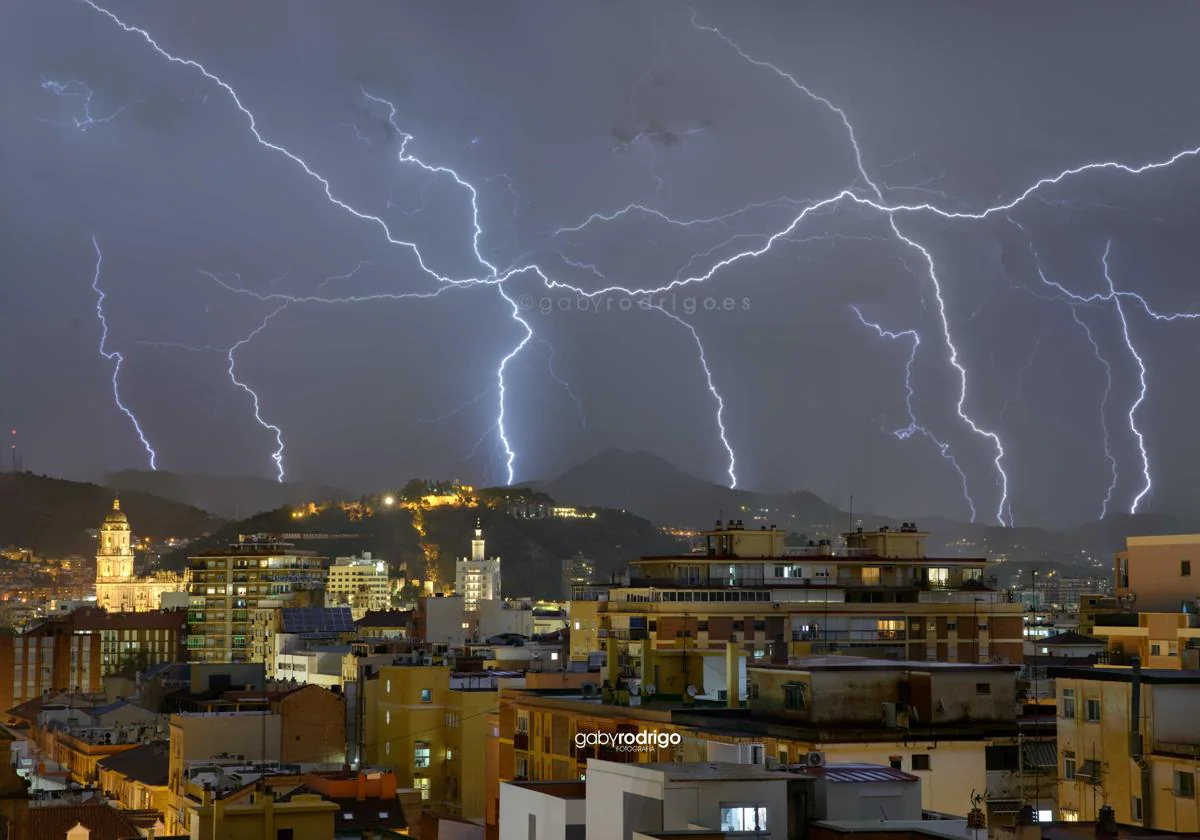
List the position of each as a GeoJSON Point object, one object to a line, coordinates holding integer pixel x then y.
{"type": "Point", "coordinates": [118, 589]}
{"type": "Point", "coordinates": [477, 578]}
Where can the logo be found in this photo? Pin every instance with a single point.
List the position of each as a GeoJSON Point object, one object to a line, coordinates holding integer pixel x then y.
{"type": "Point", "coordinates": [628, 741]}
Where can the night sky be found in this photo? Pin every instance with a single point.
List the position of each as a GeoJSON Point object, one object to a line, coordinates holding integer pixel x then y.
{"type": "Point", "coordinates": [552, 112]}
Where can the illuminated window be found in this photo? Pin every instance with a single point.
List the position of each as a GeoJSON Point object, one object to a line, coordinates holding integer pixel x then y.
{"type": "Point", "coordinates": [1068, 815]}
{"type": "Point", "coordinates": [939, 577]}
{"type": "Point", "coordinates": [890, 628]}
{"type": "Point", "coordinates": [449, 754]}
{"type": "Point", "coordinates": [389, 686]}
{"type": "Point", "coordinates": [421, 755]}
{"type": "Point", "coordinates": [387, 716]}
{"type": "Point", "coordinates": [423, 786]}
{"type": "Point", "coordinates": [870, 576]}
{"type": "Point", "coordinates": [426, 695]}
{"type": "Point", "coordinates": [744, 819]}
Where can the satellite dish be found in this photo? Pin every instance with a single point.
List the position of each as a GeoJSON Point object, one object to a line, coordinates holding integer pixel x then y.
{"type": "Point", "coordinates": [691, 690]}
{"type": "Point", "coordinates": [650, 689]}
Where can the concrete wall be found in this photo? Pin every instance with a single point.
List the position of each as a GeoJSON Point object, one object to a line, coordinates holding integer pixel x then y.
{"type": "Point", "coordinates": [552, 815]}
{"type": "Point", "coordinates": [959, 696]}
{"type": "Point", "coordinates": [1175, 714]}
{"type": "Point", "coordinates": [876, 800]}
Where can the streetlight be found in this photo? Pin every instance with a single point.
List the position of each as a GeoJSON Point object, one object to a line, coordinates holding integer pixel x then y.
{"type": "Point", "coordinates": [388, 501]}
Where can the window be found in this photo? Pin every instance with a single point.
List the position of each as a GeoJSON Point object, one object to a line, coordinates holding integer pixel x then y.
{"type": "Point", "coordinates": [756, 754]}
{"type": "Point", "coordinates": [920, 761]}
{"type": "Point", "coordinates": [1068, 703]}
{"type": "Point", "coordinates": [1092, 711]}
{"type": "Point", "coordinates": [1185, 783]}
{"type": "Point", "coordinates": [523, 724]}
{"type": "Point", "coordinates": [1135, 808]}
{"type": "Point", "coordinates": [983, 688]}
{"type": "Point", "coordinates": [421, 755]}
{"type": "Point", "coordinates": [1155, 649]}
{"type": "Point", "coordinates": [423, 786]}
{"type": "Point", "coordinates": [870, 576]}
{"type": "Point", "coordinates": [1068, 765]}
{"type": "Point", "coordinates": [939, 577]}
{"type": "Point", "coordinates": [426, 695]}
{"type": "Point", "coordinates": [793, 696]}
{"type": "Point", "coordinates": [522, 767]}
{"type": "Point", "coordinates": [744, 819]}
{"type": "Point", "coordinates": [1185, 568]}
{"type": "Point", "coordinates": [285, 834]}
{"type": "Point", "coordinates": [449, 754]}
{"type": "Point", "coordinates": [1068, 815]}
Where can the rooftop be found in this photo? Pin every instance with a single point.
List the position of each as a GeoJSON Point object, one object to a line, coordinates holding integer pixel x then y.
{"type": "Point", "coordinates": [1150, 676]}
{"type": "Point", "coordinates": [51, 821]}
{"type": "Point", "coordinates": [146, 764]}
{"type": "Point", "coordinates": [561, 790]}
{"type": "Point", "coordinates": [1070, 637]}
{"type": "Point", "coordinates": [861, 663]}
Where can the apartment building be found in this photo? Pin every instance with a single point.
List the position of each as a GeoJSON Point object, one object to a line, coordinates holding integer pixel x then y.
{"type": "Point", "coordinates": [360, 583]}
{"type": "Point", "coordinates": [936, 721]}
{"type": "Point", "coordinates": [429, 725]}
{"type": "Point", "coordinates": [231, 592]}
{"type": "Point", "coordinates": [1159, 573]}
{"type": "Point", "coordinates": [1168, 641]}
{"type": "Point", "coordinates": [879, 596]}
{"type": "Point", "coordinates": [1128, 739]}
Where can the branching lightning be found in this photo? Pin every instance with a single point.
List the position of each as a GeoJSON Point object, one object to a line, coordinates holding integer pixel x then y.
{"type": "Point", "coordinates": [277, 455]}
{"type": "Point", "coordinates": [77, 89]}
{"type": "Point", "coordinates": [863, 192]}
{"type": "Point", "coordinates": [1108, 383]}
{"type": "Point", "coordinates": [116, 358]}
{"type": "Point", "coordinates": [913, 426]}
{"type": "Point", "coordinates": [712, 389]}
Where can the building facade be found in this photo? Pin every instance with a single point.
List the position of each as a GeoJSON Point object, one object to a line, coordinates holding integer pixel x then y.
{"type": "Point", "coordinates": [577, 571]}
{"type": "Point", "coordinates": [360, 583]}
{"type": "Point", "coordinates": [477, 578]}
{"type": "Point", "coordinates": [1159, 574]}
{"type": "Point", "coordinates": [1128, 739]}
{"type": "Point", "coordinates": [118, 589]}
{"type": "Point", "coordinates": [235, 591]}
{"type": "Point", "coordinates": [879, 596]}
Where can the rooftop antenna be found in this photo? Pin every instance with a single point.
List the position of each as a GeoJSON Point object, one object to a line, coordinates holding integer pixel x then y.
{"type": "Point", "coordinates": [12, 449]}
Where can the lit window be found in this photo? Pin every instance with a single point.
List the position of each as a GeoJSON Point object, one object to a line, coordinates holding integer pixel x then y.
{"type": "Point", "coordinates": [553, 656]}
{"type": "Point", "coordinates": [744, 819]}
{"type": "Point", "coordinates": [449, 754]}
{"type": "Point", "coordinates": [423, 786]}
{"type": "Point", "coordinates": [577, 625]}
{"type": "Point", "coordinates": [387, 716]}
{"type": "Point", "coordinates": [421, 755]}
{"type": "Point", "coordinates": [870, 576]}
{"type": "Point", "coordinates": [389, 686]}
{"type": "Point", "coordinates": [426, 695]}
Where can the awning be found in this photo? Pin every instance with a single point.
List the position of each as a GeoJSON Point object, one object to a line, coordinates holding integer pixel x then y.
{"type": "Point", "coordinates": [1089, 772]}
{"type": "Point", "coordinates": [1040, 755]}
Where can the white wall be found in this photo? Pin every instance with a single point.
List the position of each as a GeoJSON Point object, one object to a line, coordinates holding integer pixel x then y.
{"type": "Point", "coordinates": [873, 801]}
{"type": "Point", "coordinates": [551, 813]}
{"type": "Point", "coordinates": [699, 803]}
{"type": "Point", "coordinates": [444, 621]}
{"type": "Point", "coordinates": [1175, 713]}
{"type": "Point", "coordinates": [955, 769]}
{"type": "Point", "coordinates": [607, 783]}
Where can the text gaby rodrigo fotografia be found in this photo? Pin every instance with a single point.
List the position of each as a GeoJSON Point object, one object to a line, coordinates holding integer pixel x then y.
{"type": "Point", "coordinates": [628, 741]}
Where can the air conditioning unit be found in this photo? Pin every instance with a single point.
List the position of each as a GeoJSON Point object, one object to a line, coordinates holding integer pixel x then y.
{"type": "Point", "coordinates": [815, 759]}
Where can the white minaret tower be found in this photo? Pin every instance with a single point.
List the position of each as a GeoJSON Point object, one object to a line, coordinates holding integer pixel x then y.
{"type": "Point", "coordinates": [477, 545]}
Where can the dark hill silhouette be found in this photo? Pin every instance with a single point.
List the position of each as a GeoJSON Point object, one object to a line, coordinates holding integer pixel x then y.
{"type": "Point", "coordinates": [532, 550]}
{"type": "Point", "coordinates": [230, 497]}
{"type": "Point", "coordinates": [52, 515]}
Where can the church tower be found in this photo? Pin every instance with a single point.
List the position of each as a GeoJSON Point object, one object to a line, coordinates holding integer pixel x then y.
{"type": "Point", "coordinates": [114, 562]}
{"type": "Point", "coordinates": [478, 554]}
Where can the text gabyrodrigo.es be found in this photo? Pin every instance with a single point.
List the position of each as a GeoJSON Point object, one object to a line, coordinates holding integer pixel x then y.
{"type": "Point", "coordinates": [627, 740]}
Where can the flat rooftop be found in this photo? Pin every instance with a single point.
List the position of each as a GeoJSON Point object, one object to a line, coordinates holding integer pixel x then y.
{"type": "Point", "coordinates": [700, 771]}
{"type": "Point", "coordinates": [559, 790]}
{"type": "Point", "coordinates": [861, 663]}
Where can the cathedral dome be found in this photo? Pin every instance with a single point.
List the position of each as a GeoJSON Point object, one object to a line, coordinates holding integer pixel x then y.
{"type": "Point", "coordinates": [117, 516]}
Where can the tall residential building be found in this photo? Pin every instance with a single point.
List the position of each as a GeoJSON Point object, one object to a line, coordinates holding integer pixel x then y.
{"type": "Point", "coordinates": [477, 578]}
{"type": "Point", "coordinates": [577, 571]}
{"type": "Point", "coordinates": [430, 725]}
{"type": "Point", "coordinates": [879, 596]}
{"type": "Point", "coordinates": [236, 590]}
{"type": "Point", "coordinates": [1159, 574]}
{"type": "Point", "coordinates": [1128, 739]}
{"type": "Point", "coordinates": [118, 589]}
{"type": "Point", "coordinates": [360, 583]}
{"type": "Point", "coordinates": [49, 657]}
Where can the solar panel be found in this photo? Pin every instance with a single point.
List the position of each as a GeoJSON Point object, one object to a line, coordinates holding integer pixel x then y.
{"type": "Point", "coordinates": [317, 620]}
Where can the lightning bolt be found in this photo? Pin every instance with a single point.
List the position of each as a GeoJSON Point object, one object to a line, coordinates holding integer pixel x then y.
{"type": "Point", "coordinates": [77, 89]}
{"type": "Point", "coordinates": [1141, 397]}
{"type": "Point", "coordinates": [914, 427]}
{"type": "Point", "coordinates": [116, 358]}
{"type": "Point", "coordinates": [510, 455]}
{"type": "Point", "coordinates": [712, 389]}
{"type": "Point", "coordinates": [277, 455]}
{"type": "Point", "coordinates": [565, 385]}
{"type": "Point", "coordinates": [1108, 383]}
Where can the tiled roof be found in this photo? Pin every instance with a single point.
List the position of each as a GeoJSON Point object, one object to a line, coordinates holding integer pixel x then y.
{"type": "Point", "coordinates": [146, 764]}
{"type": "Point", "coordinates": [52, 822]}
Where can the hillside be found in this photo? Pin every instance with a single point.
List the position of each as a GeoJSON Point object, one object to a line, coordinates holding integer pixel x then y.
{"type": "Point", "coordinates": [230, 497]}
{"type": "Point", "coordinates": [532, 550]}
{"type": "Point", "coordinates": [52, 515]}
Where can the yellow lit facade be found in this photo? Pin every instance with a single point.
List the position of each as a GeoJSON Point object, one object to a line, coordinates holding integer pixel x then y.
{"type": "Point", "coordinates": [1162, 640]}
{"type": "Point", "coordinates": [1098, 753]}
{"type": "Point", "coordinates": [431, 734]}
